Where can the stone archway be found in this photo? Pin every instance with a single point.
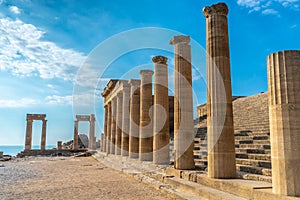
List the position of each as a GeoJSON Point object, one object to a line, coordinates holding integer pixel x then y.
{"type": "Point", "coordinates": [28, 140]}
{"type": "Point", "coordinates": [92, 140]}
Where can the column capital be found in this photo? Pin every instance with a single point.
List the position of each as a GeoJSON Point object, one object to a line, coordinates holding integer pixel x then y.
{"type": "Point", "coordinates": [146, 72]}
{"type": "Point", "coordinates": [134, 82]}
{"type": "Point", "coordinates": [160, 59]}
{"type": "Point", "coordinates": [180, 39]}
{"type": "Point", "coordinates": [215, 9]}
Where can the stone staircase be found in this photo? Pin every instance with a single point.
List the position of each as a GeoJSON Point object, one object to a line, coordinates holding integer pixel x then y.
{"type": "Point", "coordinates": [252, 138]}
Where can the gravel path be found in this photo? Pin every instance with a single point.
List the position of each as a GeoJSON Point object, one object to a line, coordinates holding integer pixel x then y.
{"type": "Point", "coordinates": [69, 178]}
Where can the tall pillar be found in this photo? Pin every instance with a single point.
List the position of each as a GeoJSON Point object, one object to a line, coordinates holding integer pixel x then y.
{"type": "Point", "coordinates": [75, 143]}
{"type": "Point", "coordinates": [220, 132]}
{"type": "Point", "coordinates": [146, 127]}
{"type": "Point", "coordinates": [161, 137]}
{"type": "Point", "coordinates": [92, 141]}
{"type": "Point", "coordinates": [183, 105]}
{"type": "Point", "coordinates": [108, 130]}
{"type": "Point", "coordinates": [113, 125]}
{"type": "Point", "coordinates": [134, 118]}
{"type": "Point", "coordinates": [119, 123]}
{"type": "Point", "coordinates": [43, 140]}
{"type": "Point", "coordinates": [28, 139]}
{"type": "Point", "coordinates": [125, 121]}
{"type": "Point", "coordinates": [105, 129]}
{"type": "Point", "coordinates": [284, 109]}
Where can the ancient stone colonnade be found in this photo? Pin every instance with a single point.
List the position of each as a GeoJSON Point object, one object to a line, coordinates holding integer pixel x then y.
{"type": "Point", "coordinates": [129, 130]}
{"type": "Point", "coordinates": [28, 140]}
{"type": "Point", "coordinates": [92, 139]}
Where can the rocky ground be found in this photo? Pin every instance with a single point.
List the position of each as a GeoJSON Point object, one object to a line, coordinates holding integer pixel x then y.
{"type": "Point", "coordinates": [68, 178]}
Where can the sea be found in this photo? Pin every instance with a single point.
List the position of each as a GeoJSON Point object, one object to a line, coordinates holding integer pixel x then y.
{"type": "Point", "coordinates": [14, 150]}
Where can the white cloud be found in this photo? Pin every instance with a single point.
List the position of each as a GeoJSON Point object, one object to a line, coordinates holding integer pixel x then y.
{"type": "Point", "coordinates": [59, 100]}
{"type": "Point", "coordinates": [24, 53]}
{"type": "Point", "coordinates": [24, 102]}
{"type": "Point", "coordinates": [248, 3]}
{"type": "Point", "coordinates": [267, 7]}
{"type": "Point", "coordinates": [293, 26]}
{"type": "Point", "coordinates": [269, 11]}
{"type": "Point", "coordinates": [14, 9]}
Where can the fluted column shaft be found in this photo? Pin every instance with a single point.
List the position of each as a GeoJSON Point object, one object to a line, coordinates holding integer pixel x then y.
{"type": "Point", "coordinates": [221, 143]}
{"type": "Point", "coordinates": [119, 109]}
{"type": "Point", "coordinates": [105, 129]}
{"type": "Point", "coordinates": [134, 118]}
{"type": "Point", "coordinates": [161, 137]}
{"type": "Point", "coordinates": [183, 105]}
{"type": "Point", "coordinates": [146, 128]}
{"type": "Point", "coordinates": [113, 125]}
{"type": "Point", "coordinates": [92, 141]}
{"type": "Point", "coordinates": [284, 109]}
{"type": "Point", "coordinates": [43, 140]}
{"type": "Point", "coordinates": [125, 121]}
{"type": "Point", "coordinates": [28, 139]}
{"type": "Point", "coordinates": [75, 143]}
{"type": "Point", "coordinates": [108, 138]}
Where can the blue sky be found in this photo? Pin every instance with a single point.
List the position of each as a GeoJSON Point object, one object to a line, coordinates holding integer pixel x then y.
{"type": "Point", "coordinates": [47, 47]}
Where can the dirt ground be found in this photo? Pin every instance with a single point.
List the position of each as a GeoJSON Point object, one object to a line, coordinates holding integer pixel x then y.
{"type": "Point", "coordinates": [69, 178]}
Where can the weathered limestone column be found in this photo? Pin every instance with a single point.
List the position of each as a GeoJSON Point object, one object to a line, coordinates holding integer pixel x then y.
{"type": "Point", "coordinates": [146, 127]}
{"type": "Point", "coordinates": [105, 129]}
{"type": "Point", "coordinates": [125, 121]}
{"type": "Point", "coordinates": [119, 123]}
{"type": "Point", "coordinates": [75, 143]}
{"type": "Point", "coordinates": [284, 109]}
{"type": "Point", "coordinates": [92, 141]}
{"type": "Point", "coordinates": [59, 145]}
{"type": "Point", "coordinates": [134, 118]}
{"type": "Point", "coordinates": [113, 125]}
{"type": "Point", "coordinates": [108, 131]}
{"type": "Point", "coordinates": [161, 137]}
{"type": "Point", "coordinates": [28, 138]}
{"type": "Point", "coordinates": [221, 144]}
{"type": "Point", "coordinates": [43, 140]}
{"type": "Point", "coordinates": [183, 105]}
{"type": "Point", "coordinates": [101, 143]}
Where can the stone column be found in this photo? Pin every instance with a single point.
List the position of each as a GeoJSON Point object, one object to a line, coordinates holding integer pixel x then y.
{"type": "Point", "coordinates": [134, 118]}
{"type": "Point", "coordinates": [108, 131]}
{"type": "Point", "coordinates": [119, 123]}
{"type": "Point", "coordinates": [28, 138]}
{"type": "Point", "coordinates": [105, 130]}
{"type": "Point", "coordinates": [92, 141]}
{"type": "Point", "coordinates": [59, 145]}
{"type": "Point", "coordinates": [113, 125]}
{"type": "Point", "coordinates": [161, 137]}
{"type": "Point", "coordinates": [183, 105]}
{"type": "Point", "coordinates": [220, 132]}
{"type": "Point", "coordinates": [284, 109]}
{"type": "Point", "coordinates": [75, 143]}
{"type": "Point", "coordinates": [125, 121]}
{"type": "Point", "coordinates": [101, 142]}
{"type": "Point", "coordinates": [146, 127]}
{"type": "Point", "coordinates": [43, 140]}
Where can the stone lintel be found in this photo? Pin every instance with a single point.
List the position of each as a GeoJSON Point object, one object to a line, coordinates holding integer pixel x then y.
{"type": "Point", "coordinates": [134, 82]}
{"type": "Point", "coordinates": [35, 116]}
{"type": "Point", "coordinates": [215, 9]}
{"type": "Point", "coordinates": [180, 39]}
{"type": "Point", "coordinates": [160, 59]}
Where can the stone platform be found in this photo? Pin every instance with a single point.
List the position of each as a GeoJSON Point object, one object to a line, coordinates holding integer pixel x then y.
{"type": "Point", "coordinates": [190, 184]}
{"type": "Point", "coordinates": [49, 152]}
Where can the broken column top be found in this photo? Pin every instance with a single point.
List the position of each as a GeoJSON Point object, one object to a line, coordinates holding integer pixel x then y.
{"type": "Point", "coordinates": [146, 72]}
{"type": "Point", "coordinates": [160, 59]}
{"type": "Point", "coordinates": [180, 39]}
{"type": "Point", "coordinates": [215, 9]}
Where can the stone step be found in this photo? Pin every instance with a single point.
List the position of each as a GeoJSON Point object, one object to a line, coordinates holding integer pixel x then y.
{"type": "Point", "coordinates": [200, 190]}
{"type": "Point", "coordinates": [254, 177]}
{"type": "Point", "coordinates": [264, 137]}
{"type": "Point", "coordinates": [265, 157]}
{"type": "Point", "coordinates": [254, 146]}
{"type": "Point", "coordinates": [254, 170]}
{"type": "Point", "coordinates": [252, 151]}
{"type": "Point", "coordinates": [201, 162]}
{"type": "Point", "coordinates": [255, 163]}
